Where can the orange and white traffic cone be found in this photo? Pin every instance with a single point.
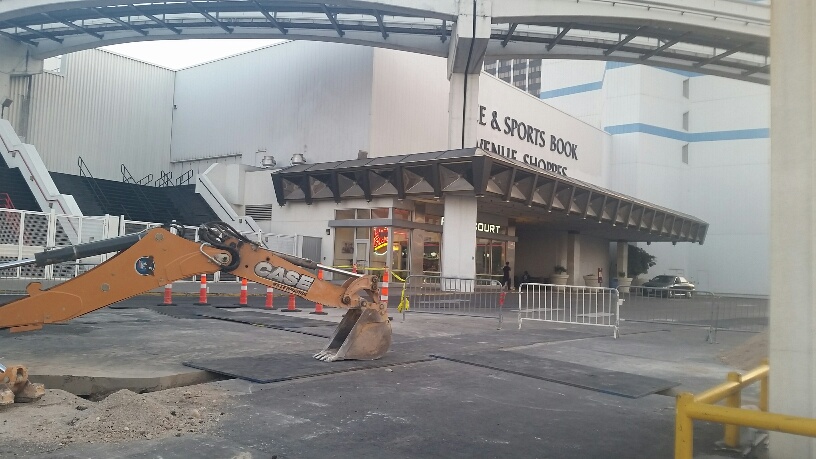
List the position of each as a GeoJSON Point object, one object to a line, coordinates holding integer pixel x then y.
{"type": "Point", "coordinates": [269, 294]}
{"type": "Point", "coordinates": [291, 306]}
{"type": "Point", "coordinates": [202, 292]}
{"type": "Point", "coordinates": [319, 307]}
{"type": "Point", "coordinates": [384, 288]}
{"type": "Point", "coordinates": [168, 296]}
{"type": "Point", "coordinates": [242, 299]}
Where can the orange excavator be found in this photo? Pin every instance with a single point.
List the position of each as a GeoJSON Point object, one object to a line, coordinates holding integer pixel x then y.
{"type": "Point", "coordinates": [159, 256]}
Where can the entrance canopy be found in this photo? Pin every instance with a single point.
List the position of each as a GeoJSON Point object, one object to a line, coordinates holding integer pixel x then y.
{"type": "Point", "coordinates": [526, 194]}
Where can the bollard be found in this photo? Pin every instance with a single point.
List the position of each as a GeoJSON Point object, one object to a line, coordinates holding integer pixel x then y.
{"type": "Point", "coordinates": [269, 294]}
{"type": "Point", "coordinates": [202, 293]}
{"type": "Point", "coordinates": [168, 296]}
{"type": "Point", "coordinates": [291, 306]}
{"type": "Point", "coordinates": [319, 307]}
{"type": "Point", "coordinates": [384, 288]}
{"type": "Point", "coordinates": [242, 300]}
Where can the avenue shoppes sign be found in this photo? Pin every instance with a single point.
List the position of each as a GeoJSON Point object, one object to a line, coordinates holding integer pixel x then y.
{"type": "Point", "coordinates": [540, 142]}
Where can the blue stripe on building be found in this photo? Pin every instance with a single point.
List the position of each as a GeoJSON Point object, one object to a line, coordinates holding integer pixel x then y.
{"type": "Point", "coordinates": [737, 134]}
{"type": "Point", "coordinates": [596, 85]}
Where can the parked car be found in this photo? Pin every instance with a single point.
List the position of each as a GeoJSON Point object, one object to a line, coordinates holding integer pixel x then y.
{"type": "Point", "coordinates": [668, 286]}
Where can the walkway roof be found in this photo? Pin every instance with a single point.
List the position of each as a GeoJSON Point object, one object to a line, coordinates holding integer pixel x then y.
{"type": "Point", "coordinates": [525, 194]}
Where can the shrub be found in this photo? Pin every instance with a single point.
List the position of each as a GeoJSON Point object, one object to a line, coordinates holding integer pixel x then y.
{"type": "Point", "coordinates": [639, 261]}
{"type": "Point", "coordinates": [558, 269]}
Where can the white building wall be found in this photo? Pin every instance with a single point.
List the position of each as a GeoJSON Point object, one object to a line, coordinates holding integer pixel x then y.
{"type": "Point", "coordinates": [106, 108]}
{"type": "Point", "coordinates": [294, 97]}
{"type": "Point", "coordinates": [409, 103]}
{"type": "Point", "coordinates": [725, 181]}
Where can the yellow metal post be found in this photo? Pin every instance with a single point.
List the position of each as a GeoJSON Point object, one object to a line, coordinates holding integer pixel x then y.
{"type": "Point", "coordinates": [763, 390]}
{"type": "Point", "coordinates": [734, 400]}
{"type": "Point", "coordinates": [683, 428]}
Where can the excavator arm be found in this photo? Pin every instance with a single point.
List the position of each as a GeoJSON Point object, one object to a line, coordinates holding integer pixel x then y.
{"type": "Point", "coordinates": [157, 257]}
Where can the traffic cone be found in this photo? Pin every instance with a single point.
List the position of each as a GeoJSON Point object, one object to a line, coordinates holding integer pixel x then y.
{"type": "Point", "coordinates": [202, 292]}
{"type": "Point", "coordinates": [269, 294]}
{"type": "Point", "coordinates": [291, 306]}
{"type": "Point", "coordinates": [384, 288]}
{"type": "Point", "coordinates": [319, 307]}
{"type": "Point", "coordinates": [168, 296]}
{"type": "Point", "coordinates": [242, 299]}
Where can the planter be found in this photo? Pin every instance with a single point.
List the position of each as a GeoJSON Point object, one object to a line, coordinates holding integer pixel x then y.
{"type": "Point", "coordinates": [559, 279]}
{"type": "Point", "coordinates": [591, 280]}
{"type": "Point", "coordinates": [624, 283]}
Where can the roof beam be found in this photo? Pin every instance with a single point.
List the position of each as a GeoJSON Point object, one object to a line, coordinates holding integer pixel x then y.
{"type": "Point", "coordinates": [663, 47]}
{"type": "Point", "coordinates": [603, 208]}
{"type": "Point", "coordinates": [763, 68]}
{"type": "Point", "coordinates": [588, 202]}
{"type": "Point", "coordinates": [19, 39]}
{"type": "Point", "coordinates": [127, 25]}
{"type": "Point", "coordinates": [568, 206]}
{"type": "Point", "coordinates": [552, 196]}
{"type": "Point", "coordinates": [558, 37]}
{"type": "Point", "coordinates": [157, 20]}
{"type": "Point", "coordinates": [444, 36]}
{"type": "Point", "coordinates": [75, 27]}
{"type": "Point", "coordinates": [207, 15]}
{"type": "Point", "coordinates": [380, 22]}
{"type": "Point", "coordinates": [271, 18]}
{"type": "Point", "coordinates": [510, 183]}
{"type": "Point", "coordinates": [38, 33]}
{"type": "Point", "coordinates": [722, 55]}
{"type": "Point", "coordinates": [529, 198]}
{"type": "Point", "coordinates": [333, 20]}
{"type": "Point", "coordinates": [509, 34]}
{"type": "Point", "coordinates": [626, 40]}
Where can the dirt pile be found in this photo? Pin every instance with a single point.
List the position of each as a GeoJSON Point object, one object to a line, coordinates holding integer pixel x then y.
{"type": "Point", "coordinates": [749, 354]}
{"type": "Point", "coordinates": [61, 418]}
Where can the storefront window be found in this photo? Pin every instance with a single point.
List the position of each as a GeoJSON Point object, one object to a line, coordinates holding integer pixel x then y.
{"type": "Point", "coordinates": [400, 253]}
{"type": "Point", "coordinates": [344, 214]}
{"type": "Point", "coordinates": [483, 252]}
{"type": "Point", "coordinates": [402, 214]}
{"type": "Point", "coordinates": [432, 252]}
{"type": "Point", "coordinates": [363, 214]}
{"type": "Point", "coordinates": [380, 212]}
{"type": "Point", "coordinates": [362, 233]}
{"type": "Point", "coordinates": [343, 247]}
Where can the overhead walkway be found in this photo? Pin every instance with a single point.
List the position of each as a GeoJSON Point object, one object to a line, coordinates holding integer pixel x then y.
{"type": "Point", "coordinates": [722, 37]}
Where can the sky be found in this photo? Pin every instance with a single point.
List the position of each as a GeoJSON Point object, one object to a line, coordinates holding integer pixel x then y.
{"type": "Point", "coordinates": [178, 54]}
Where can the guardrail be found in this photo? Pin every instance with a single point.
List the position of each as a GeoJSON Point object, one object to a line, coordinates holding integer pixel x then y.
{"type": "Point", "coordinates": [694, 309]}
{"type": "Point", "coordinates": [702, 408]}
{"type": "Point", "coordinates": [456, 296]}
{"type": "Point", "coordinates": [569, 304]}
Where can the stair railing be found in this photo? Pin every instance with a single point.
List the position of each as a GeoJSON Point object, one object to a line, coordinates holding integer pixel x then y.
{"type": "Point", "coordinates": [5, 201]}
{"type": "Point", "coordinates": [127, 177]}
{"type": "Point", "coordinates": [84, 171]}
{"type": "Point", "coordinates": [185, 178]}
{"type": "Point", "coordinates": [165, 179]}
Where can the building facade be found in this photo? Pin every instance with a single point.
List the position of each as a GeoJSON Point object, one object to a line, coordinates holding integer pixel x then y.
{"type": "Point", "coordinates": [643, 154]}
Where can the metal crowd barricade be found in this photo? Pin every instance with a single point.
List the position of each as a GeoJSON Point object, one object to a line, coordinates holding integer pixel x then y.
{"type": "Point", "coordinates": [449, 295]}
{"type": "Point", "coordinates": [569, 304]}
{"type": "Point", "coordinates": [695, 309]}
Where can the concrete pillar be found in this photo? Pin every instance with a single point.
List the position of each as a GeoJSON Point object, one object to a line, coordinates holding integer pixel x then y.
{"type": "Point", "coordinates": [459, 237]}
{"type": "Point", "coordinates": [622, 261]}
{"type": "Point", "coordinates": [574, 259]}
{"type": "Point", "coordinates": [793, 228]}
{"type": "Point", "coordinates": [465, 60]}
{"type": "Point", "coordinates": [15, 60]}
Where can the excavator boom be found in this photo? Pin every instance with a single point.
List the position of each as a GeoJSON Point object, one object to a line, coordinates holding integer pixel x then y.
{"type": "Point", "coordinates": [157, 257]}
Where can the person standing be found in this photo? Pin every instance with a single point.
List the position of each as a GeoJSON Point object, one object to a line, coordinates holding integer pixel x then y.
{"type": "Point", "coordinates": [506, 276]}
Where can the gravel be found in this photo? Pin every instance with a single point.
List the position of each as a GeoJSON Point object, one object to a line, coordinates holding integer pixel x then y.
{"type": "Point", "coordinates": [61, 418]}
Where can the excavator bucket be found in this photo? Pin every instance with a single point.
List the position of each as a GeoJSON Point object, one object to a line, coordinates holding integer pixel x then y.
{"type": "Point", "coordinates": [15, 386]}
{"type": "Point", "coordinates": [363, 334]}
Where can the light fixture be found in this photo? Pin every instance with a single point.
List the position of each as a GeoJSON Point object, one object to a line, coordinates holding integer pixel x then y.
{"type": "Point", "coordinates": [6, 104]}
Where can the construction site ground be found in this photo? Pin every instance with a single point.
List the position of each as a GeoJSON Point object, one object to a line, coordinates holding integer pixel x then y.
{"type": "Point", "coordinates": [135, 397]}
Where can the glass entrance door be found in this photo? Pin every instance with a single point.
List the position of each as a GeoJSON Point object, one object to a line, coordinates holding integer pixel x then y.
{"type": "Point", "coordinates": [361, 255]}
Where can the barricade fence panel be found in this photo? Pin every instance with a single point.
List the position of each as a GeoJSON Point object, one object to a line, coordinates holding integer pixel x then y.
{"type": "Point", "coordinates": [569, 304]}
{"type": "Point", "coordinates": [449, 295]}
{"type": "Point", "coordinates": [694, 308]}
